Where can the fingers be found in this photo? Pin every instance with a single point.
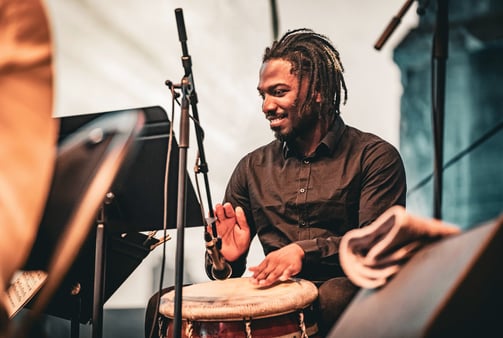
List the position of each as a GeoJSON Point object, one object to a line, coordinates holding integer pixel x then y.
{"type": "Point", "coordinates": [286, 275]}
{"type": "Point", "coordinates": [266, 277]}
{"type": "Point", "coordinates": [241, 218]}
{"type": "Point", "coordinates": [229, 219]}
{"type": "Point", "coordinates": [270, 271]}
{"type": "Point", "coordinates": [225, 218]}
{"type": "Point", "coordinates": [233, 229]}
{"type": "Point", "coordinates": [224, 211]}
{"type": "Point", "coordinates": [279, 265]}
{"type": "Point", "coordinates": [229, 210]}
{"type": "Point", "coordinates": [219, 211]}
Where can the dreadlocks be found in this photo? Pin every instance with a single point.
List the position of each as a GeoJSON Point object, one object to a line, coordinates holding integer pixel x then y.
{"type": "Point", "coordinates": [313, 56]}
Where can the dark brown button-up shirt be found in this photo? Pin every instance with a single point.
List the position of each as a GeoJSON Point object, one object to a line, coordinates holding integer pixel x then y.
{"type": "Point", "coordinates": [313, 201]}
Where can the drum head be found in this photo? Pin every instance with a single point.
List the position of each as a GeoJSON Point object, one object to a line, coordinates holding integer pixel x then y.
{"type": "Point", "coordinates": [238, 298]}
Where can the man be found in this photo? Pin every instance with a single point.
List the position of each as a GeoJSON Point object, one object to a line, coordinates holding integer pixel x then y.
{"type": "Point", "coordinates": [28, 133]}
{"type": "Point", "coordinates": [303, 191]}
{"type": "Point", "coordinates": [318, 179]}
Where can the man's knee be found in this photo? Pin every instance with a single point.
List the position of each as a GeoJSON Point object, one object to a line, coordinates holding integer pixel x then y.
{"type": "Point", "coordinates": [334, 296]}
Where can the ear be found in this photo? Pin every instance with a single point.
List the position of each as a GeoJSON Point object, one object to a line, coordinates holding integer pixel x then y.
{"type": "Point", "coordinates": [317, 97]}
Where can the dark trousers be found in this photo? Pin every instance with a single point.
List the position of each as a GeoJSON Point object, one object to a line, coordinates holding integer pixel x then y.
{"type": "Point", "coordinates": [334, 295]}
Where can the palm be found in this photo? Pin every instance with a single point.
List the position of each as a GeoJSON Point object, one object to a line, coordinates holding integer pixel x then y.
{"type": "Point", "coordinates": [234, 231]}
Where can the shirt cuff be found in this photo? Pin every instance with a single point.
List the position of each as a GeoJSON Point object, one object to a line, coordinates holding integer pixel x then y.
{"type": "Point", "coordinates": [312, 252]}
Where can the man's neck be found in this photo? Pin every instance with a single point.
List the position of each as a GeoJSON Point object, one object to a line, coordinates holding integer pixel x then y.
{"type": "Point", "coordinates": [308, 143]}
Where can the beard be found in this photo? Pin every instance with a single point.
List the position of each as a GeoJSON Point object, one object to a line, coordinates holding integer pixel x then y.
{"type": "Point", "coordinates": [305, 122]}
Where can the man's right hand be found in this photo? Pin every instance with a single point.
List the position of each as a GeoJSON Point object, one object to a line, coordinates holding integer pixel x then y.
{"type": "Point", "coordinates": [233, 229]}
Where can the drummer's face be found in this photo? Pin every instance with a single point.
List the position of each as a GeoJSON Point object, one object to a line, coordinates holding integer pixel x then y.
{"type": "Point", "coordinates": [282, 95]}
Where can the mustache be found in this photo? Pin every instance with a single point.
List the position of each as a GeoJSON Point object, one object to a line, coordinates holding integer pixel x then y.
{"type": "Point", "coordinates": [271, 114]}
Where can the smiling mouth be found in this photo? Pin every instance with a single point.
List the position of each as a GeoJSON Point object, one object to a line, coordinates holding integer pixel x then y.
{"type": "Point", "coordinates": [275, 119]}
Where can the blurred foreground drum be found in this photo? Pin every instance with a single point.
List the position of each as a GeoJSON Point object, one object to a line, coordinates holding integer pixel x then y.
{"type": "Point", "coordinates": [237, 308]}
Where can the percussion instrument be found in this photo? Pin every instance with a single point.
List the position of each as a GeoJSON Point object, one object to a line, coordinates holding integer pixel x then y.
{"type": "Point", "coordinates": [237, 308]}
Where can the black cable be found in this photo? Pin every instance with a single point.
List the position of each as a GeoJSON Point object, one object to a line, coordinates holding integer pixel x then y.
{"type": "Point", "coordinates": [459, 156]}
{"type": "Point", "coordinates": [165, 194]}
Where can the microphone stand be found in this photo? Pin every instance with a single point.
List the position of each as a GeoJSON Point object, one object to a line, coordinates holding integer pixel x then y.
{"type": "Point", "coordinates": [438, 71]}
{"type": "Point", "coordinates": [439, 57]}
{"type": "Point", "coordinates": [189, 97]}
{"type": "Point", "coordinates": [392, 25]}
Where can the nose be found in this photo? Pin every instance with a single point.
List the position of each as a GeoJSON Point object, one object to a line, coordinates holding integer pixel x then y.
{"type": "Point", "coordinates": [268, 105]}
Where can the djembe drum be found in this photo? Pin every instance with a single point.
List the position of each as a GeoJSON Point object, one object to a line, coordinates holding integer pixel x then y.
{"type": "Point", "coordinates": [237, 308]}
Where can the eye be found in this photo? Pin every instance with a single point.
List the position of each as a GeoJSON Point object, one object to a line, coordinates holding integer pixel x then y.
{"type": "Point", "coordinates": [279, 92]}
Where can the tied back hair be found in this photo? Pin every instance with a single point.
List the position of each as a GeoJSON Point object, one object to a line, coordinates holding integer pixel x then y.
{"type": "Point", "coordinates": [314, 57]}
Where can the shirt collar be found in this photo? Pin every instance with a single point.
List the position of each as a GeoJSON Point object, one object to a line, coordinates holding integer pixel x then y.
{"type": "Point", "coordinates": [327, 144]}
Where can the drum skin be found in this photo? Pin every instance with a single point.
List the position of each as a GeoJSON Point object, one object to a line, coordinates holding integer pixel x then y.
{"type": "Point", "coordinates": [237, 308]}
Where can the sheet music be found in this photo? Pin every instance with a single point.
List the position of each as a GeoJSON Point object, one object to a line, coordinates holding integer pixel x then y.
{"type": "Point", "coordinates": [23, 287]}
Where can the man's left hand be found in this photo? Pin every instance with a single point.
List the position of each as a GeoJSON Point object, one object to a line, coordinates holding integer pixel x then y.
{"type": "Point", "coordinates": [278, 265]}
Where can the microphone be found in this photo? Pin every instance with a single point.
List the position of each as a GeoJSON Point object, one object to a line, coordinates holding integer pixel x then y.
{"type": "Point", "coordinates": [220, 269]}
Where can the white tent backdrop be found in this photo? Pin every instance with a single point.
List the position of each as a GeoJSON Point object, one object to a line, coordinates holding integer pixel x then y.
{"type": "Point", "coordinates": [117, 54]}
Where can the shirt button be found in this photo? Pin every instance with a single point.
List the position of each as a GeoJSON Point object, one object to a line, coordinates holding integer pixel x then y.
{"type": "Point", "coordinates": [302, 190]}
{"type": "Point", "coordinates": [306, 161]}
{"type": "Point", "coordinates": [302, 223]}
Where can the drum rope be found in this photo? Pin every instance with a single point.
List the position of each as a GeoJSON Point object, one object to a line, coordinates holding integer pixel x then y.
{"type": "Point", "coordinates": [302, 325]}
{"type": "Point", "coordinates": [189, 330]}
{"type": "Point", "coordinates": [248, 329]}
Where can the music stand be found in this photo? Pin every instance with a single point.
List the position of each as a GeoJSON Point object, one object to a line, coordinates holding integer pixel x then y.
{"type": "Point", "coordinates": [86, 165]}
{"type": "Point", "coordinates": [138, 188]}
{"type": "Point", "coordinates": [136, 205]}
